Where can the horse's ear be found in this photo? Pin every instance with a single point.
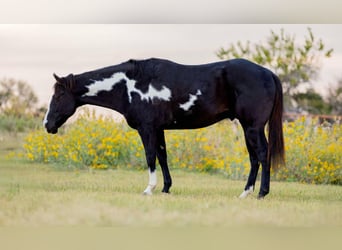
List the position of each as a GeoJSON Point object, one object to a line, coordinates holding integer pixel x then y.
{"type": "Point", "coordinates": [69, 81]}
{"type": "Point", "coordinates": [58, 79]}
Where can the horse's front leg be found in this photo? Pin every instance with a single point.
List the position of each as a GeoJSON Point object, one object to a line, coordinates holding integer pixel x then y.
{"type": "Point", "coordinates": [149, 139]}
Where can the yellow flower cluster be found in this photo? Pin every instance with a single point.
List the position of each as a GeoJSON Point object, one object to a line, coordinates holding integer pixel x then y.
{"type": "Point", "coordinates": [313, 152]}
{"type": "Point", "coordinates": [219, 148]}
{"type": "Point", "coordinates": [89, 142]}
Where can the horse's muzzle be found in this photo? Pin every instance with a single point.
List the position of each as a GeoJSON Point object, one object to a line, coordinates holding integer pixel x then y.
{"type": "Point", "coordinates": [51, 130]}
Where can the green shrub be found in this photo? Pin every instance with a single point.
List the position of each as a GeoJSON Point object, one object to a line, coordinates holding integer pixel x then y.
{"type": "Point", "coordinates": [313, 152]}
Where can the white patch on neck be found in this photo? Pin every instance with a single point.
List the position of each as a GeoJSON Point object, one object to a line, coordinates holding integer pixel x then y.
{"type": "Point", "coordinates": [247, 192]}
{"type": "Point", "coordinates": [108, 84]}
{"type": "Point", "coordinates": [191, 102]}
{"type": "Point", "coordinates": [152, 183]}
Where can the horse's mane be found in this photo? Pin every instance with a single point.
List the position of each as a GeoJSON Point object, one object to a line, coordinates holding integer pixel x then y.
{"type": "Point", "coordinates": [137, 70]}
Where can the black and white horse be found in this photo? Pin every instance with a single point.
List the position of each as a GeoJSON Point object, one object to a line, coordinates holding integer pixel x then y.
{"type": "Point", "coordinates": [156, 94]}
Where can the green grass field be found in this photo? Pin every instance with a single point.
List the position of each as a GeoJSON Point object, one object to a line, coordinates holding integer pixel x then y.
{"type": "Point", "coordinates": [55, 208]}
{"type": "Point", "coordinates": [36, 195]}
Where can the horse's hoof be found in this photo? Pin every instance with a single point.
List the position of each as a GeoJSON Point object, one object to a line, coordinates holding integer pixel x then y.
{"type": "Point", "coordinates": [165, 190]}
{"type": "Point", "coordinates": [247, 192]}
{"type": "Point", "coordinates": [262, 194]}
{"type": "Point", "coordinates": [147, 193]}
{"type": "Point", "coordinates": [261, 197]}
{"type": "Point", "coordinates": [149, 189]}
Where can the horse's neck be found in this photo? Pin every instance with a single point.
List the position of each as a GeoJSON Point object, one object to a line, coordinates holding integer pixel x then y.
{"type": "Point", "coordinates": [92, 86]}
{"type": "Point", "coordinates": [93, 95]}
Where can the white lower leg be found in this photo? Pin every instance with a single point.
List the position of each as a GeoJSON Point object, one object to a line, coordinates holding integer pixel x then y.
{"type": "Point", "coordinates": [247, 192]}
{"type": "Point", "coordinates": [152, 182]}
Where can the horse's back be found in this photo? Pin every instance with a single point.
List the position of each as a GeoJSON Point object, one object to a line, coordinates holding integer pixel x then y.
{"type": "Point", "coordinates": [204, 94]}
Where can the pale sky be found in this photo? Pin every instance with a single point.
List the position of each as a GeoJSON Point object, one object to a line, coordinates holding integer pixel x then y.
{"type": "Point", "coordinates": [34, 52]}
{"type": "Point", "coordinates": [170, 11]}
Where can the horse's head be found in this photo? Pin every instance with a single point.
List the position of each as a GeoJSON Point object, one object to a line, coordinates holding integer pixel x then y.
{"type": "Point", "coordinates": [62, 105]}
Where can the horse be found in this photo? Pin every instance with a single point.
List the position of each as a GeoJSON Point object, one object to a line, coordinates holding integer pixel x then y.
{"type": "Point", "coordinates": [155, 95]}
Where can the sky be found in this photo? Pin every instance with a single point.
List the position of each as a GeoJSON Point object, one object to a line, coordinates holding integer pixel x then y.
{"type": "Point", "coordinates": [33, 52]}
{"type": "Point", "coordinates": [170, 11]}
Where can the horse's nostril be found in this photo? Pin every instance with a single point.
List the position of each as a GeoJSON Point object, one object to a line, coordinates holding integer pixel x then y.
{"type": "Point", "coordinates": [52, 130]}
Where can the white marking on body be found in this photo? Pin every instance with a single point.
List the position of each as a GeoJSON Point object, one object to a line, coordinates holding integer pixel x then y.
{"type": "Point", "coordinates": [152, 183]}
{"type": "Point", "coordinates": [107, 84]}
{"type": "Point", "coordinates": [163, 94]}
{"type": "Point", "coordinates": [247, 192]}
{"type": "Point", "coordinates": [192, 98]}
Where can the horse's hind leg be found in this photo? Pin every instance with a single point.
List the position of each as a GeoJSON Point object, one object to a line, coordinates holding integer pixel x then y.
{"type": "Point", "coordinates": [257, 143]}
{"type": "Point", "coordinates": [162, 158]}
{"type": "Point", "coordinates": [249, 188]}
{"type": "Point", "coordinates": [266, 167]}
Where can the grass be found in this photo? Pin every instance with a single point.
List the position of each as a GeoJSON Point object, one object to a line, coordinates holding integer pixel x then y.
{"type": "Point", "coordinates": [45, 207]}
{"type": "Point", "coordinates": [36, 195]}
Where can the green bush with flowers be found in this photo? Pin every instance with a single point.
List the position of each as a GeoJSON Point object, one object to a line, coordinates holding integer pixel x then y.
{"type": "Point", "coordinates": [313, 152]}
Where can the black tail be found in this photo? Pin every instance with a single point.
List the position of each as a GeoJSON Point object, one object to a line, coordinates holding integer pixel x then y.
{"type": "Point", "coordinates": [276, 151]}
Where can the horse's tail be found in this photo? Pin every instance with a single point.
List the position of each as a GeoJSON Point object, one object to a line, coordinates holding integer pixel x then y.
{"type": "Point", "coordinates": [276, 151]}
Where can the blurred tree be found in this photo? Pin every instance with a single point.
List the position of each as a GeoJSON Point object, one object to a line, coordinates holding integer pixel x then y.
{"type": "Point", "coordinates": [335, 98]}
{"type": "Point", "coordinates": [16, 97]}
{"type": "Point", "coordinates": [296, 64]}
{"type": "Point", "coordinates": [312, 102]}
